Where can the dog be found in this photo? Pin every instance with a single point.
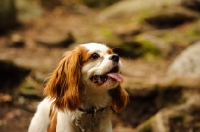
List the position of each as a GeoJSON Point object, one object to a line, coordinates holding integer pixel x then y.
{"type": "Point", "coordinates": [82, 92]}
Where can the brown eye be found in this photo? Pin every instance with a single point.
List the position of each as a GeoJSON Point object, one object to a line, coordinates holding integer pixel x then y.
{"type": "Point", "coordinates": [94, 56]}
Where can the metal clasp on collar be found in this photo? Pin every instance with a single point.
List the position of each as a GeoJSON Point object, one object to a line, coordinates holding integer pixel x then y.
{"type": "Point", "coordinates": [91, 111]}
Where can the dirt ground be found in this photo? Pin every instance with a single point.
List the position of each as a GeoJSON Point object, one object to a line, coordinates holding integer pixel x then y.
{"type": "Point", "coordinates": [14, 118]}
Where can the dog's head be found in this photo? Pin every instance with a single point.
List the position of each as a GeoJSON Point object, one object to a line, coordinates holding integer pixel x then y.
{"type": "Point", "coordinates": [92, 66]}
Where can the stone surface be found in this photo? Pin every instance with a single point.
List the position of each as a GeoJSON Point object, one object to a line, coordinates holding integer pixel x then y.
{"type": "Point", "coordinates": [127, 8]}
{"type": "Point", "coordinates": [171, 17]}
{"type": "Point", "coordinates": [187, 63]}
{"type": "Point", "coordinates": [180, 118]}
{"type": "Point", "coordinates": [16, 41]}
{"type": "Point", "coordinates": [54, 39]}
{"type": "Point", "coordinates": [27, 10]}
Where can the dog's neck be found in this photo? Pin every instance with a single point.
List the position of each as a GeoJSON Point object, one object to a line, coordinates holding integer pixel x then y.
{"type": "Point", "coordinates": [95, 99]}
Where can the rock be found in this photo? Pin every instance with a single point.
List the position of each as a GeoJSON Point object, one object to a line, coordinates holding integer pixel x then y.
{"type": "Point", "coordinates": [149, 99]}
{"type": "Point", "coordinates": [8, 14]}
{"type": "Point", "coordinates": [130, 49]}
{"type": "Point", "coordinates": [30, 88]}
{"type": "Point", "coordinates": [16, 41]}
{"type": "Point", "coordinates": [184, 117]}
{"type": "Point", "coordinates": [158, 46]}
{"type": "Point", "coordinates": [54, 39]}
{"type": "Point", "coordinates": [127, 8]}
{"type": "Point", "coordinates": [143, 45]}
{"type": "Point", "coordinates": [187, 63]}
{"type": "Point", "coordinates": [27, 10]}
{"type": "Point", "coordinates": [129, 31]}
{"type": "Point", "coordinates": [157, 98]}
{"type": "Point", "coordinates": [171, 17]}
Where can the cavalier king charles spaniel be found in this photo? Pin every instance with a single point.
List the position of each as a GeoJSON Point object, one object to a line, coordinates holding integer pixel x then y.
{"type": "Point", "coordinates": [82, 92]}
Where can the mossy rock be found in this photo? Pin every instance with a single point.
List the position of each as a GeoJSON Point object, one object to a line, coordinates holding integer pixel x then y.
{"type": "Point", "coordinates": [137, 47]}
{"type": "Point", "coordinates": [179, 118]}
{"type": "Point", "coordinates": [171, 17]}
{"type": "Point", "coordinates": [134, 8]}
{"type": "Point", "coordinates": [27, 10]}
{"type": "Point", "coordinates": [30, 89]}
{"type": "Point", "coordinates": [146, 126]}
{"type": "Point", "coordinates": [187, 63]}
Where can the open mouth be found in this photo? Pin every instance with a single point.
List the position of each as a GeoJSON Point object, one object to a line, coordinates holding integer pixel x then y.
{"type": "Point", "coordinates": [113, 75]}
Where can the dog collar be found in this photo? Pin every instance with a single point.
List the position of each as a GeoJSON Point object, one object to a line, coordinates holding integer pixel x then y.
{"type": "Point", "coordinates": [92, 111]}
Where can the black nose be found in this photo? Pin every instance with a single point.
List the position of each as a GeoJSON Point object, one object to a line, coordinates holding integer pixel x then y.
{"type": "Point", "coordinates": [114, 58]}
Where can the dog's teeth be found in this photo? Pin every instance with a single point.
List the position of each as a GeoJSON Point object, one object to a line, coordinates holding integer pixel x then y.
{"type": "Point", "coordinates": [99, 79]}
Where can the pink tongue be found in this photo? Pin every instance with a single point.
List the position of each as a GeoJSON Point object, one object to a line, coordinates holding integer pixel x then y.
{"type": "Point", "coordinates": [116, 76]}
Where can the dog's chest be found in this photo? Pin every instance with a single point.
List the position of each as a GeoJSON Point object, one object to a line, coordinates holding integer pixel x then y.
{"type": "Point", "coordinates": [93, 122]}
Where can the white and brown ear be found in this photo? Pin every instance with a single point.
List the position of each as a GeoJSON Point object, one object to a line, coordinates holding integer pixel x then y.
{"type": "Point", "coordinates": [63, 85]}
{"type": "Point", "coordinates": [120, 98]}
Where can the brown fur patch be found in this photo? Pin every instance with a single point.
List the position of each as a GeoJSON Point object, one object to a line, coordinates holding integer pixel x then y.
{"type": "Point", "coordinates": [53, 120]}
{"type": "Point", "coordinates": [63, 85]}
{"type": "Point", "coordinates": [120, 98]}
{"type": "Point", "coordinates": [109, 51]}
{"type": "Point", "coordinates": [86, 56]}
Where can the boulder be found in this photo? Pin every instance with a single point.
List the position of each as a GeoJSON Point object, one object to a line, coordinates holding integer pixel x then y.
{"type": "Point", "coordinates": [124, 31]}
{"type": "Point", "coordinates": [148, 97]}
{"type": "Point", "coordinates": [127, 8]}
{"type": "Point", "coordinates": [54, 39]}
{"type": "Point", "coordinates": [16, 41]}
{"type": "Point", "coordinates": [161, 105]}
{"type": "Point", "coordinates": [158, 46]}
{"type": "Point", "coordinates": [27, 10]}
{"type": "Point", "coordinates": [187, 63]}
{"type": "Point", "coordinates": [184, 117]}
{"type": "Point", "coordinates": [142, 45]}
{"type": "Point", "coordinates": [171, 17]}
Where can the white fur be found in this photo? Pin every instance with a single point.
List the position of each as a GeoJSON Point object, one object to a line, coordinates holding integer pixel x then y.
{"type": "Point", "coordinates": [41, 119]}
{"type": "Point", "coordinates": [92, 96]}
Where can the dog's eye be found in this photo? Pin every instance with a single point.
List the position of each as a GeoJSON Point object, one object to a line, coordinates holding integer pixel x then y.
{"type": "Point", "coordinates": [94, 56]}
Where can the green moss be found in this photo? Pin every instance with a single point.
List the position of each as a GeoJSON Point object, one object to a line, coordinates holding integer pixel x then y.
{"type": "Point", "coordinates": [146, 127]}
{"type": "Point", "coordinates": [138, 48]}
{"type": "Point", "coordinates": [107, 33]}
{"type": "Point", "coordinates": [28, 89]}
{"type": "Point", "coordinates": [147, 47]}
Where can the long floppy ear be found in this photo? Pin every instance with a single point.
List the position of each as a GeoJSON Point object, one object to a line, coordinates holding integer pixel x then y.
{"type": "Point", "coordinates": [120, 98]}
{"type": "Point", "coordinates": [63, 85]}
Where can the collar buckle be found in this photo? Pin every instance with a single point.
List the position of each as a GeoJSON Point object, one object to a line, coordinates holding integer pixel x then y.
{"type": "Point", "coordinates": [91, 111]}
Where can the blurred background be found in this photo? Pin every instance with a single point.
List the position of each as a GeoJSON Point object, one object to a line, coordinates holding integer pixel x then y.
{"type": "Point", "coordinates": [158, 41]}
